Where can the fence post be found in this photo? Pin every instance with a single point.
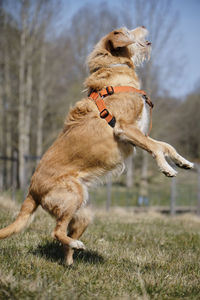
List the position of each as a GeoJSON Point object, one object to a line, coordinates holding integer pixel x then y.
{"type": "Point", "coordinates": [173, 197]}
{"type": "Point", "coordinates": [198, 197]}
{"type": "Point", "coordinates": [109, 190]}
{"type": "Point", "coordinates": [1, 180]}
{"type": "Point", "coordinates": [14, 176]}
{"type": "Point", "coordinates": [26, 173]}
{"type": "Point", "coordinates": [129, 171]}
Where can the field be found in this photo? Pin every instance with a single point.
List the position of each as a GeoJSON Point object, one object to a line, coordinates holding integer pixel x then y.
{"type": "Point", "coordinates": [128, 256]}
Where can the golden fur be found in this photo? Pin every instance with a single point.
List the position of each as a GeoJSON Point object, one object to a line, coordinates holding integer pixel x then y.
{"type": "Point", "coordinates": [88, 147]}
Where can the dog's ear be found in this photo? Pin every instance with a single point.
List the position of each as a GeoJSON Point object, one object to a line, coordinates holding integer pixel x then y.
{"type": "Point", "coordinates": [120, 38]}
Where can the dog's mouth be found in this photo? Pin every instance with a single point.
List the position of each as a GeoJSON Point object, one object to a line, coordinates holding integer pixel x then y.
{"type": "Point", "coordinates": [141, 48]}
{"type": "Point", "coordinates": [144, 44]}
{"type": "Point", "coordinates": [140, 34]}
{"type": "Point", "coordinates": [141, 37]}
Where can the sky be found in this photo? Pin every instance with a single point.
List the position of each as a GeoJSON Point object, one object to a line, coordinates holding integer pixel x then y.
{"type": "Point", "coordinates": [188, 26]}
{"type": "Point", "coordinates": [189, 11]}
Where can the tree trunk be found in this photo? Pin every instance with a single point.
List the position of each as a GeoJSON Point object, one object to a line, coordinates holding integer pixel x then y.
{"type": "Point", "coordinates": [198, 196]}
{"type": "Point", "coordinates": [3, 140]}
{"type": "Point", "coordinates": [27, 117]}
{"type": "Point", "coordinates": [41, 103]}
{"type": "Point", "coordinates": [1, 132]}
{"type": "Point", "coordinates": [8, 120]}
{"type": "Point", "coordinates": [21, 118]}
{"type": "Point", "coordinates": [5, 94]}
{"type": "Point", "coordinates": [144, 178]}
{"type": "Point", "coordinates": [4, 144]}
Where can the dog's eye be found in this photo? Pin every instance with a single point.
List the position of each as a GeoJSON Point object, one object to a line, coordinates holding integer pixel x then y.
{"type": "Point", "coordinates": [116, 32]}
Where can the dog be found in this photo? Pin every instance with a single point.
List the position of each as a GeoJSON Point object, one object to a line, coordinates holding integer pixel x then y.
{"type": "Point", "coordinates": [100, 131]}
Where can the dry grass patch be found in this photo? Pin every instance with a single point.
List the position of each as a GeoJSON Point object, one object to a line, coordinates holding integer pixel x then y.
{"type": "Point", "coordinates": [128, 256]}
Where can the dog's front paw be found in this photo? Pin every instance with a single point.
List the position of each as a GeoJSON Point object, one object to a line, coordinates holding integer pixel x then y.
{"type": "Point", "coordinates": [184, 163]}
{"type": "Point", "coordinates": [170, 172]}
{"type": "Point", "coordinates": [76, 244]}
{"type": "Point", "coordinates": [163, 165]}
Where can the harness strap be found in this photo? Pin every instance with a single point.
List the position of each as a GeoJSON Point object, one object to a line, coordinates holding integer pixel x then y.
{"type": "Point", "coordinates": [104, 113]}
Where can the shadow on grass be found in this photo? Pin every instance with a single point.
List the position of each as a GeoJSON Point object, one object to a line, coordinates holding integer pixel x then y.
{"type": "Point", "coordinates": [53, 251]}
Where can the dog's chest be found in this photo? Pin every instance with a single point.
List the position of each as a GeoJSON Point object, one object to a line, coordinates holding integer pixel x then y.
{"type": "Point", "coordinates": [143, 122]}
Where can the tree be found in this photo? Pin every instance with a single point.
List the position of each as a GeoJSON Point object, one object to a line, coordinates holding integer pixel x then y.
{"type": "Point", "coordinates": [42, 70]}
{"type": "Point", "coordinates": [160, 20]}
{"type": "Point", "coordinates": [7, 97]}
{"type": "Point", "coordinates": [188, 126]}
{"type": "Point", "coordinates": [35, 19]}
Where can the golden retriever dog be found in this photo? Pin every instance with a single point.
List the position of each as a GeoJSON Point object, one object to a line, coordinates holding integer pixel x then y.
{"type": "Point", "coordinates": [100, 131]}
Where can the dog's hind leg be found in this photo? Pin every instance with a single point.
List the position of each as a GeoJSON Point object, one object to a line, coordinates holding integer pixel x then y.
{"type": "Point", "coordinates": [76, 228]}
{"type": "Point", "coordinates": [60, 234]}
{"type": "Point", "coordinates": [63, 202]}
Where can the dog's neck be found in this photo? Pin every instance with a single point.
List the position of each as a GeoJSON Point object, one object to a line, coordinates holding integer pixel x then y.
{"type": "Point", "coordinates": [118, 65]}
{"type": "Point", "coordinates": [106, 70]}
{"type": "Point", "coordinates": [111, 66]}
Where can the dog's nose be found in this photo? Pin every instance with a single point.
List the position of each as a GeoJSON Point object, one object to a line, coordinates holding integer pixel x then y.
{"type": "Point", "coordinates": [148, 43]}
{"type": "Point", "coordinates": [143, 27]}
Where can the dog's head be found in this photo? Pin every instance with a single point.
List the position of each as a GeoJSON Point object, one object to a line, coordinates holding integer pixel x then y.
{"type": "Point", "coordinates": [123, 43]}
{"type": "Point", "coordinates": [130, 43]}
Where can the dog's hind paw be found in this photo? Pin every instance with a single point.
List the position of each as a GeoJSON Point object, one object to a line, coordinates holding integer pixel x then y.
{"type": "Point", "coordinates": [76, 244]}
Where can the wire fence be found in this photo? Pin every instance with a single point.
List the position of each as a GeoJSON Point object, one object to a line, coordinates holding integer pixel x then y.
{"type": "Point", "coordinates": [179, 194]}
{"type": "Point", "coordinates": [168, 195]}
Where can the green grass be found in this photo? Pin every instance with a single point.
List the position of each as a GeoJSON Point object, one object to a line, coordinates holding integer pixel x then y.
{"type": "Point", "coordinates": [128, 256]}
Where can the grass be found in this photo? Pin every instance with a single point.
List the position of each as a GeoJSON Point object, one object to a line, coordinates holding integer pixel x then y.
{"type": "Point", "coordinates": [128, 256]}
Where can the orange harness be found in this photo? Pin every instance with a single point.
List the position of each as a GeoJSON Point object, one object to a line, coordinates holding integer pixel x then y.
{"type": "Point", "coordinates": [104, 113]}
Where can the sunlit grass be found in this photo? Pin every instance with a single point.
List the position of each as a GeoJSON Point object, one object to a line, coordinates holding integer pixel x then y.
{"type": "Point", "coordinates": [128, 256]}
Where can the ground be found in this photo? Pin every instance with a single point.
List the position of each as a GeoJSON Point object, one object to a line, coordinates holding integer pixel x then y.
{"type": "Point", "coordinates": [128, 256]}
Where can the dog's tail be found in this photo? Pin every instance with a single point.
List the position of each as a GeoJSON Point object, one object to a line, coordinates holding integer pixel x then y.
{"type": "Point", "coordinates": [27, 209]}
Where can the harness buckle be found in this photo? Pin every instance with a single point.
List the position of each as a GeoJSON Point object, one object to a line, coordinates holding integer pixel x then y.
{"type": "Point", "coordinates": [112, 122]}
{"type": "Point", "coordinates": [104, 113]}
{"type": "Point", "coordinates": [148, 101]}
{"type": "Point", "coordinates": [110, 90]}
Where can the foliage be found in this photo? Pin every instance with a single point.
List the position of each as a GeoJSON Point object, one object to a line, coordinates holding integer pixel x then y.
{"type": "Point", "coordinates": [42, 69]}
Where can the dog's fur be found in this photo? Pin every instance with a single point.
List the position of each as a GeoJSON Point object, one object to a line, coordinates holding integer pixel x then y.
{"type": "Point", "coordinates": [88, 147]}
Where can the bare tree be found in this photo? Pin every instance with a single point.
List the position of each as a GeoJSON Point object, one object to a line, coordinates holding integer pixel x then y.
{"type": "Point", "coordinates": [35, 17]}
{"type": "Point", "coordinates": [41, 102]}
{"type": "Point", "coordinates": [5, 87]}
{"type": "Point", "coordinates": [42, 74]}
{"type": "Point", "coordinates": [21, 120]}
{"type": "Point", "coordinates": [160, 20]}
